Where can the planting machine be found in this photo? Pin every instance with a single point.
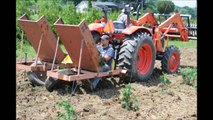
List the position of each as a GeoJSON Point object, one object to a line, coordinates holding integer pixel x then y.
{"type": "Point", "coordinates": [136, 49]}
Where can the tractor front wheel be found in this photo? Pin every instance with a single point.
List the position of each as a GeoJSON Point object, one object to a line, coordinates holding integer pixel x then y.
{"type": "Point", "coordinates": [171, 59]}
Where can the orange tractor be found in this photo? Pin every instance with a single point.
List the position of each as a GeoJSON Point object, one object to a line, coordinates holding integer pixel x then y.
{"type": "Point", "coordinates": [137, 46]}
{"type": "Point", "coordinates": [136, 49]}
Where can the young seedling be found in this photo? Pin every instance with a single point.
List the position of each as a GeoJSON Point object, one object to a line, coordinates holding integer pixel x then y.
{"type": "Point", "coordinates": [67, 112]}
{"type": "Point", "coordinates": [189, 76]}
{"type": "Point", "coordinates": [165, 81]}
{"type": "Point", "coordinates": [128, 102]}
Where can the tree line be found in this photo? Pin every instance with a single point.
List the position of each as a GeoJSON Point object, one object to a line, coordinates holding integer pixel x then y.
{"type": "Point", "coordinates": [52, 9]}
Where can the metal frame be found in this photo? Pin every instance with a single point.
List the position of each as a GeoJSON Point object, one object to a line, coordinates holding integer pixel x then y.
{"type": "Point", "coordinates": [84, 74]}
{"type": "Point", "coordinates": [40, 67]}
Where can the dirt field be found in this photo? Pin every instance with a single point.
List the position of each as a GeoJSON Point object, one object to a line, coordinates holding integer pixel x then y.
{"type": "Point", "coordinates": [177, 102]}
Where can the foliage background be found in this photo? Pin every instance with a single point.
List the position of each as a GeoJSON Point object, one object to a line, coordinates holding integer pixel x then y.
{"type": "Point", "coordinates": [52, 9]}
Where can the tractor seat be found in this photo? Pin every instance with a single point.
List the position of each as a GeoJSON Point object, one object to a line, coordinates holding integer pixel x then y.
{"type": "Point", "coordinates": [119, 27]}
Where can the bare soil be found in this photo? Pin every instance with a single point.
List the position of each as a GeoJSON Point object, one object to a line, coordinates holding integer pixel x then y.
{"type": "Point", "coordinates": [177, 101]}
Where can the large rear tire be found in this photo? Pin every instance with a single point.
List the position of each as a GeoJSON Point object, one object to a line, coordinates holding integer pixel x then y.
{"type": "Point", "coordinates": [137, 54]}
{"type": "Point", "coordinates": [170, 62]}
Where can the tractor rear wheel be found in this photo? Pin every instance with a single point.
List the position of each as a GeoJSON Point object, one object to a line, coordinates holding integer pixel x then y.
{"type": "Point", "coordinates": [171, 59]}
{"type": "Point", "coordinates": [52, 83]}
{"type": "Point", "coordinates": [137, 54]}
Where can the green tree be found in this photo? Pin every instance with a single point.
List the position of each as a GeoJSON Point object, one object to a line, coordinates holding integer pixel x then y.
{"type": "Point", "coordinates": [69, 14]}
{"type": "Point", "coordinates": [52, 10]}
{"type": "Point", "coordinates": [188, 10]}
{"type": "Point", "coordinates": [177, 9]}
{"type": "Point", "coordinates": [91, 15]}
{"type": "Point", "coordinates": [89, 4]}
{"type": "Point", "coordinates": [165, 7]}
{"type": "Point", "coordinates": [76, 2]}
{"type": "Point", "coordinates": [183, 11]}
{"type": "Point", "coordinates": [22, 7]}
{"type": "Point", "coordinates": [151, 6]}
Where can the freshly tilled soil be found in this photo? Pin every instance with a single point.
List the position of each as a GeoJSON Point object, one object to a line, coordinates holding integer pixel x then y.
{"type": "Point", "coordinates": [176, 101]}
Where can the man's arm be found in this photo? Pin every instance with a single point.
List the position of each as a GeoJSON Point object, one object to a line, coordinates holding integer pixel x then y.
{"type": "Point", "coordinates": [107, 58]}
{"type": "Point", "coordinates": [109, 55]}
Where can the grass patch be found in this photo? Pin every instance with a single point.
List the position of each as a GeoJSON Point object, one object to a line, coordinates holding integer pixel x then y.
{"type": "Point", "coordinates": [26, 48]}
{"type": "Point", "coordinates": [180, 44]}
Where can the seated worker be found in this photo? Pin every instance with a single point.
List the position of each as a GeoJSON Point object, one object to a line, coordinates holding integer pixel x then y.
{"type": "Point", "coordinates": [123, 17]}
{"type": "Point", "coordinates": [107, 54]}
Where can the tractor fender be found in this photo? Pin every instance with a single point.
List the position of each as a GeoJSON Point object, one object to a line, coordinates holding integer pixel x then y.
{"type": "Point", "coordinates": [132, 29]}
{"type": "Point", "coordinates": [98, 27]}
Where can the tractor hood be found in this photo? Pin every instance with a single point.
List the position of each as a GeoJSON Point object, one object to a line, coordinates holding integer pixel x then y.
{"type": "Point", "coordinates": [96, 27]}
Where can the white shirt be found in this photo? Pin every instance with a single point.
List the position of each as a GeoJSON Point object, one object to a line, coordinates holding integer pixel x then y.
{"type": "Point", "coordinates": [122, 17]}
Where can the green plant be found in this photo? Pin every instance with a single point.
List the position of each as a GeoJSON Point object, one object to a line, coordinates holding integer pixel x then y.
{"type": "Point", "coordinates": [189, 76]}
{"type": "Point", "coordinates": [128, 102]}
{"type": "Point", "coordinates": [164, 79]}
{"type": "Point", "coordinates": [68, 112]}
{"type": "Point", "coordinates": [135, 104]}
{"type": "Point", "coordinates": [164, 82]}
